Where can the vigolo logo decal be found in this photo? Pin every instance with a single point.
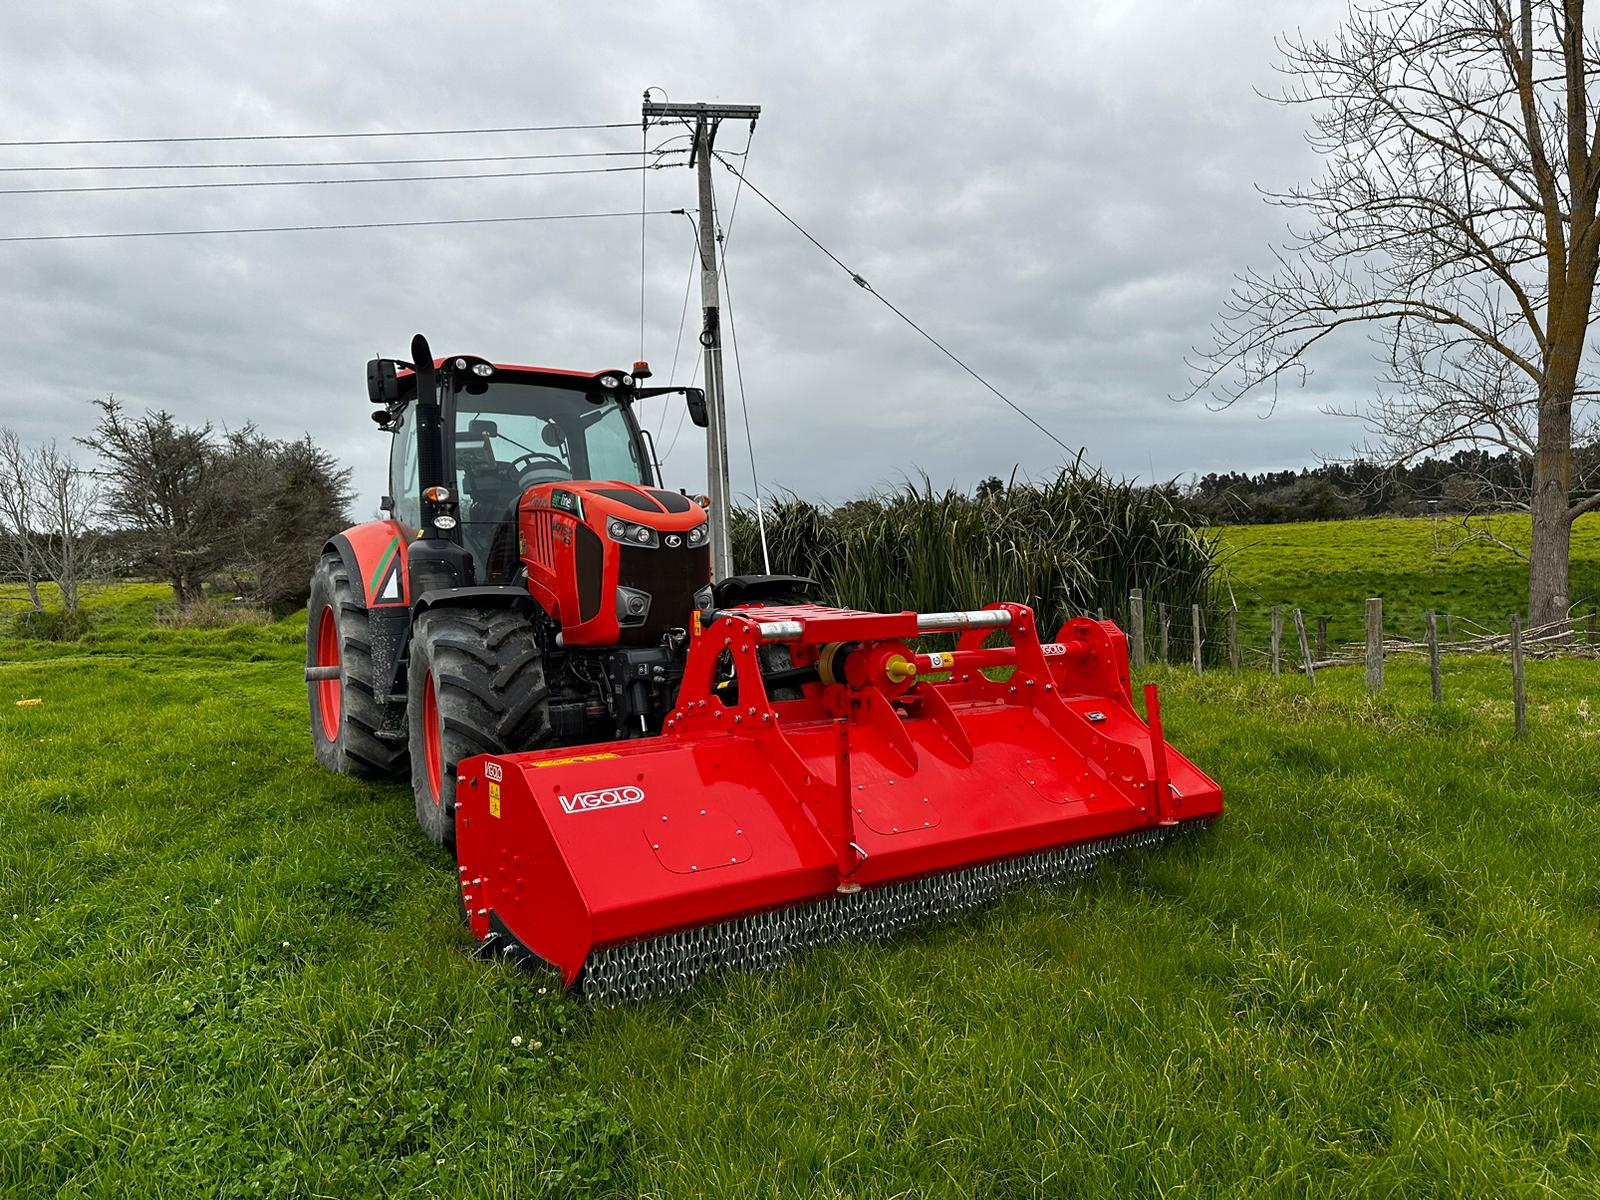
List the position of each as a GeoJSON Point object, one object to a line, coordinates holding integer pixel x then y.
{"type": "Point", "coordinates": [612, 797]}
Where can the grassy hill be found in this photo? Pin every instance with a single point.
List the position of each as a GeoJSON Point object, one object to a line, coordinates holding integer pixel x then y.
{"type": "Point", "coordinates": [1331, 567]}
{"type": "Point", "coordinates": [225, 973]}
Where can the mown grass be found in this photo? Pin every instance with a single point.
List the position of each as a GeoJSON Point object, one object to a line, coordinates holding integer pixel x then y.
{"type": "Point", "coordinates": [1331, 567]}
{"type": "Point", "coordinates": [1379, 975]}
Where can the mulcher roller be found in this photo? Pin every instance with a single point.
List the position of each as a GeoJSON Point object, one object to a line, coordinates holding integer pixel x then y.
{"type": "Point", "coordinates": [893, 786]}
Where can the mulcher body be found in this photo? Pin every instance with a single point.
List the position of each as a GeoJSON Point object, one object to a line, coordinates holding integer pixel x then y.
{"type": "Point", "coordinates": [646, 775]}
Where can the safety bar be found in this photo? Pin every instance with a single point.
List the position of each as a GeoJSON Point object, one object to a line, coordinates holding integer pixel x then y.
{"type": "Point", "coordinates": [780, 631]}
{"type": "Point", "coordinates": [982, 618]}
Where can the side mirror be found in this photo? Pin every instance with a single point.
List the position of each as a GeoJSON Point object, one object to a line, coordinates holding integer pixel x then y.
{"type": "Point", "coordinates": [695, 398]}
{"type": "Point", "coordinates": [383, 387]}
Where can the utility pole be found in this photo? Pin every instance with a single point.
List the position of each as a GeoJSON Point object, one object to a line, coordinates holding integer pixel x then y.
{"type": "Point", "coordinates": [704, 120]}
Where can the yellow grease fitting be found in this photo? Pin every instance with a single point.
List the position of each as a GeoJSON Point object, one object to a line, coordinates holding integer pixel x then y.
{"type": "Point", "coordinates": [567, 762]}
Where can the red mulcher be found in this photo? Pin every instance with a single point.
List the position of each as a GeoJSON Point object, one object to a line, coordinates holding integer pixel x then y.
{"type": "Point", "coordinates": [647, 776]}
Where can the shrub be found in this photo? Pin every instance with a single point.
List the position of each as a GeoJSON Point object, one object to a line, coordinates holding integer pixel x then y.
{"type": "Point", "coordinates": [210, 614]}
{"type": "Point", "coordinates": [52, 625]}
{"type": "Point", "coordinates": [1066, 546]}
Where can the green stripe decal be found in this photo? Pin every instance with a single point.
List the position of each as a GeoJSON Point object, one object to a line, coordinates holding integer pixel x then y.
{"type": "Point", "coordinates": [388, 556]}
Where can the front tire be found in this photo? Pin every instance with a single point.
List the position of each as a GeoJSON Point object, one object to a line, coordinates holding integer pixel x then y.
{"type": "Point", "coordinates": [476, 679]}
{"type": "Point", "coordinates": [346, 715]}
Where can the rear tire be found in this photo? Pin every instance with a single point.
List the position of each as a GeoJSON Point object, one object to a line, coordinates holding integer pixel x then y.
{"type": "Point", "coordinates": [476, 680]}
{"type": "Point", "coordinates": [346, 715]}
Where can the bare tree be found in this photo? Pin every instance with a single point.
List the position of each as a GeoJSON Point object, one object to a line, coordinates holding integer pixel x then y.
{"type": "Point", "coordinates": [19, 558]}
{"type": "Point", "coordinates": [47, 506]}
{"type": "Point", "coordinates": [66, 500]}
{"type": "Point", "coordinates": [1456, 219]}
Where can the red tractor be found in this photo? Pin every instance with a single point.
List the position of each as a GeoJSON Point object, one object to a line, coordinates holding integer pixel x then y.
{"type": "Point", "coordinates": [508, 599]}
{"type": "Point", "coordinates": [742, 773]}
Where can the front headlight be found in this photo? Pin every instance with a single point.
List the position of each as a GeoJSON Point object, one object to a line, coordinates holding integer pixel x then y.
{"type": "Point", "coordinates": [699, 534]}
{"type": "Point", "coordinates": [631, 534]}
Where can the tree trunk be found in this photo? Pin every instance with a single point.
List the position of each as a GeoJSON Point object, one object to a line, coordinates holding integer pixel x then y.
{"type": "Point", "coordinates": [1550, 553]}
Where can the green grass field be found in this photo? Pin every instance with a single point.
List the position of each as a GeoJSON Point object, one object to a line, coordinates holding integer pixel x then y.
{"type": "Point", "coordinates": [1331, 567]}
{"type": "Point", "coordinates": [225, 973]}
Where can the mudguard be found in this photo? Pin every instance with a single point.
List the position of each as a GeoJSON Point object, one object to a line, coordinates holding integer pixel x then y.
{"type": "Point", "coordinates": [376, 553]}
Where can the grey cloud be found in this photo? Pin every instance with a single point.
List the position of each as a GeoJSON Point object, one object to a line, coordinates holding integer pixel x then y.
{"type": "Point", "coordinates": [1059, 194]}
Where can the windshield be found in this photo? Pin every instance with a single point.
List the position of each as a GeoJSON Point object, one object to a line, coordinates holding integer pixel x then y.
{"type": "Point", "coordinates": [510, 436]}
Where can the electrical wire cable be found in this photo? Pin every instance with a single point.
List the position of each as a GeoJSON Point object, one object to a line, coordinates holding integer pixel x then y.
{"type": "Point", "coordinates": [933, 341]}
{"type": "Point", "coordinates": [349, 179]}
{"type": "Point", "coordinates": [677, 342]}
{"type": "Point", "coordinates": [308, 137]}
{"type": "Point", "coordinates": [347, 162]}
{"type": "Point", "coordinates": [160, 233]}
{"type": "Point", "coordinates": [738, 367]}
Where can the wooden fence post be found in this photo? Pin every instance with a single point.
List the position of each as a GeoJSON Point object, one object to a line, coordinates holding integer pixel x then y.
{"type": "Point", "coordinates": [1233, 639]}
{"type": "Point", "coordinates": [1322, 637]}
{"type": "Point", "coordinates": [1519, 691]}
{"type": "Point", "coordinates": [1277, 638]}
{"type": "Point", "coordinates": [1305, 648]}
{"type": "Point", "coordinates": [1194, 625]}
{"type": "Point", "coordinates": [1433, 657]}
{"type": "Point", "coordinates": [1099, 614]}
{"type": "Point", "coordinates": [1166, 632]}
{"type": "Point", "coordinates": [1374, 644]}
{"type": "Point", "coordinates": [1136, 626]}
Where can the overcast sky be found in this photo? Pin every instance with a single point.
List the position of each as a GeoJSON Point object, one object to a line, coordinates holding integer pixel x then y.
{"type": "Point", "coordinates": [1059, 193]}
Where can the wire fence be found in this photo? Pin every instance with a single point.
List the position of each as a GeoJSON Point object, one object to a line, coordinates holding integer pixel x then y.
{"type": "Point", "coordinates": [1299, 647]}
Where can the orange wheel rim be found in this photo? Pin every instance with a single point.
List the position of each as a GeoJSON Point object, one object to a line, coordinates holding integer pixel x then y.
{"type": "Point", "coordinates": [430, 736]}
{"type": "Point", "coordinates": [329, 697]}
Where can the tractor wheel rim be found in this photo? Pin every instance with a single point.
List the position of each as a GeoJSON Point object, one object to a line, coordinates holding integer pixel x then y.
{"type": "Point", "coordinates": [329, 697]}
{"type": "Point", "coordinates": [430, 736]}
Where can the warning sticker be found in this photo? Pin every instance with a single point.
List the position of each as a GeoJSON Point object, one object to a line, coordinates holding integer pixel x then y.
{"type": "Point", "coordinates": [575, 759]}
{"type": "Point", "coordinates": [494, 799]}
{"type": "Point", "coordinates": [936, 661]}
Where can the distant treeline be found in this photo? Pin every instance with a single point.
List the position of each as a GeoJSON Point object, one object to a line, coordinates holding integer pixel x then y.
{"type": "Point", "coordinates": [1468, 481]}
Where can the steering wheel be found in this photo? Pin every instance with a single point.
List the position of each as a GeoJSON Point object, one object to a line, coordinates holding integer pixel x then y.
{"type": "Point", "coordinates": [535, 458]}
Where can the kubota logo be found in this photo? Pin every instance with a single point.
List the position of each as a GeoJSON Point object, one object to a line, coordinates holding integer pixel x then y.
{"type": "Point", "coordinates": [612, 797]}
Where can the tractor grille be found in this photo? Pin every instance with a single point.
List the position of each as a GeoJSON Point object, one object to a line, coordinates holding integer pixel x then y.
{"type": "Point", "coordinates": [670, 577]}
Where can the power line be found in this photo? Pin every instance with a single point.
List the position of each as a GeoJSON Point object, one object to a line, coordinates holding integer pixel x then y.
{"type": "Point", "coordinates": [738, 365]}
{"type": "Point", "coordinates": [257, 183]}
{"type": "Point", "coordinates": [159, 233]}
{"type": "Point", "coordinates": [864, 285]}
{"type": "Point", "coordinates": [307, 137]}
{"type": "Point", "coordinates": [352, 162]}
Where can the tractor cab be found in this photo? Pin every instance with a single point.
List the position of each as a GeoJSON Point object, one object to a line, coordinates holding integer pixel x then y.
{"type": "Point", "coordinates": [501, 430]}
